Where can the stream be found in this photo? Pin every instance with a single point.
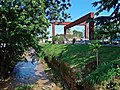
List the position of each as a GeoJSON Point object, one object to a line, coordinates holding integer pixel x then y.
{"type": "Point", "coordinates": [24, 73]}
{"type": "Point", "coordinates": [28, 73]}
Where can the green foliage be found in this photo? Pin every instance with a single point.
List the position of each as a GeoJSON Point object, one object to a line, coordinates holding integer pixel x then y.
{"type": "Point", "coordinates": [75, 54]}
{"type": "Point", "coordinates": [108, 5]}
{"type": "Point", "coordinates": [61, 39]}
{"type": "Point", "coordinates": [94, 46]}
{"type": "Point", "coordinates": [21, 22]}
{"type": "Point", "coordinates": [99, 33]}
{"type": "Point", "coordinates": [77, 33]}
{"type": "Point", "coordinates": [58, 39]}
{"type": "Point", "coordinates": [109, 25]}
{"type": "Point", "coordinates": [25, 87]}
{"type": "Point", "coordinates": [79, 58]}
{"type": "Point", "coordinates": [108, 30]}
{"type": "Point", "coordinates": [104, 73]}
{"type": "Point", "coordinates": [55, 38]}
{"type": "Point", "coordinates": [48, 49]}
{"type": "Point", "coordinates": [69, 35]}
{"type": "Point", "coordinates": [74, 33]}
{"type": "Point", "coordinates": [112, 85]}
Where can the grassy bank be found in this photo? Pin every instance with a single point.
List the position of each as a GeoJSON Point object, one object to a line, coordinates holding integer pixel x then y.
{"type": "Point", "coordinates": [80, 56]}
{"type": "Point", "coordinates": [75, 55]}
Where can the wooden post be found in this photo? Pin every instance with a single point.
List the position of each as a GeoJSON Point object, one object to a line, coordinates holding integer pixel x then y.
{"type": "Point", "coordinates": [64, 33]}
{"type": "Point", "coordinates": [86, 31]}
{"type": "Point", "coordinates": [53, 29]}
{"type": "Point", "coordinates": [91, 29]}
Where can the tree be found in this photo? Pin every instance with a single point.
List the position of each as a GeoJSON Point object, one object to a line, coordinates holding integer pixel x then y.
{"type": "Point", "coordinates": [69, 34]}
{"type": "Point", "coordinates": [54, 39]}
{"type": "Point", "coordinates": [77, 33]}
{"type": "Point", "coordinates": [43, 35]}
{"type": "Point", "coordinates": [110, 24]}
{"type": "Point", "coordinates": [94, 46]}
{"type": "Point", "coordinates": [108, 5]}
{"type": "Point", "coordinates": [61, 39]}
{"type": "Point", "coordinates": [106, 31]}
{"type": "Point", "coordinates": [21, 21]}
{"type": "Point", "coordinates": [98, 33]}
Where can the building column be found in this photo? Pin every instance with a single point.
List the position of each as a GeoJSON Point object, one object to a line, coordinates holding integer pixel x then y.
{"type": "Point", "coordinates": [53, 29]}
{"type": "Point", "coordinates": [91, 29]}
{"type": "Point", "coordinates": [86, 31]}
{"type": "Point", "coordinates": [64, 33]}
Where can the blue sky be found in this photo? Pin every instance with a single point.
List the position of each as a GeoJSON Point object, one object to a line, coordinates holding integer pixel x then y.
{"type": "Point", "coordinates": [78, 9]}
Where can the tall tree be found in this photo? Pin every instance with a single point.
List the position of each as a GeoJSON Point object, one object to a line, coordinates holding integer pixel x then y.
{"type": "Point", "coordinates": [108, 5]}
{"type": "Point", "coordinates": [107, 31]}
{"type": "Point", "coordinates": [69, 34]}
{"type": "Point", "coordinates": [21, 21]}
{"type": "Point", "coordinates": [110, 24]}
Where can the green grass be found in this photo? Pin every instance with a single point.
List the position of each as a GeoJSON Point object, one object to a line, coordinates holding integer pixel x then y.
{"type": "Point", "coordinates": [25, 87]}
{"type": "Point", "coordinates": [77, 55]}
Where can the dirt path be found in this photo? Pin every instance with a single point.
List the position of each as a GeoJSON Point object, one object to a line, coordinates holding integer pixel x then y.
{"type": "Point", "coordinates": [44, 83]}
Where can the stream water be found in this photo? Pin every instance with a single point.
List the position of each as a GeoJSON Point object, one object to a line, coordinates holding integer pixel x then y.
{"type": "Point", "coordinates": [27, 73]}
{"type": "Point", "coordinates": [24, 73]}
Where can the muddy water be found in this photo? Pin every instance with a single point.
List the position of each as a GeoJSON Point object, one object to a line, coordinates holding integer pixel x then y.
{"type": "Point", "coordinates": [26, 73]}
{"type": "Point", "coordinates": [23, 74]}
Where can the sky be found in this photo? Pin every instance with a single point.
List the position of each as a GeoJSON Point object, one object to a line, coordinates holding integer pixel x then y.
{"type": "Point", "coordinates": [78, 9]}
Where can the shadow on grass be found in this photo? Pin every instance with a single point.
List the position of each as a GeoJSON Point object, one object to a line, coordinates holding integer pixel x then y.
{"type": "Point", "coordinates": [78, 55]}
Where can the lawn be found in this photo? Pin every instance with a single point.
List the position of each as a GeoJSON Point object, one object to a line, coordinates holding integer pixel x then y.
{"type": "Point", "coordinates": [77, 55]}
{"type": "Point", "coordinates": [80, 56]}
